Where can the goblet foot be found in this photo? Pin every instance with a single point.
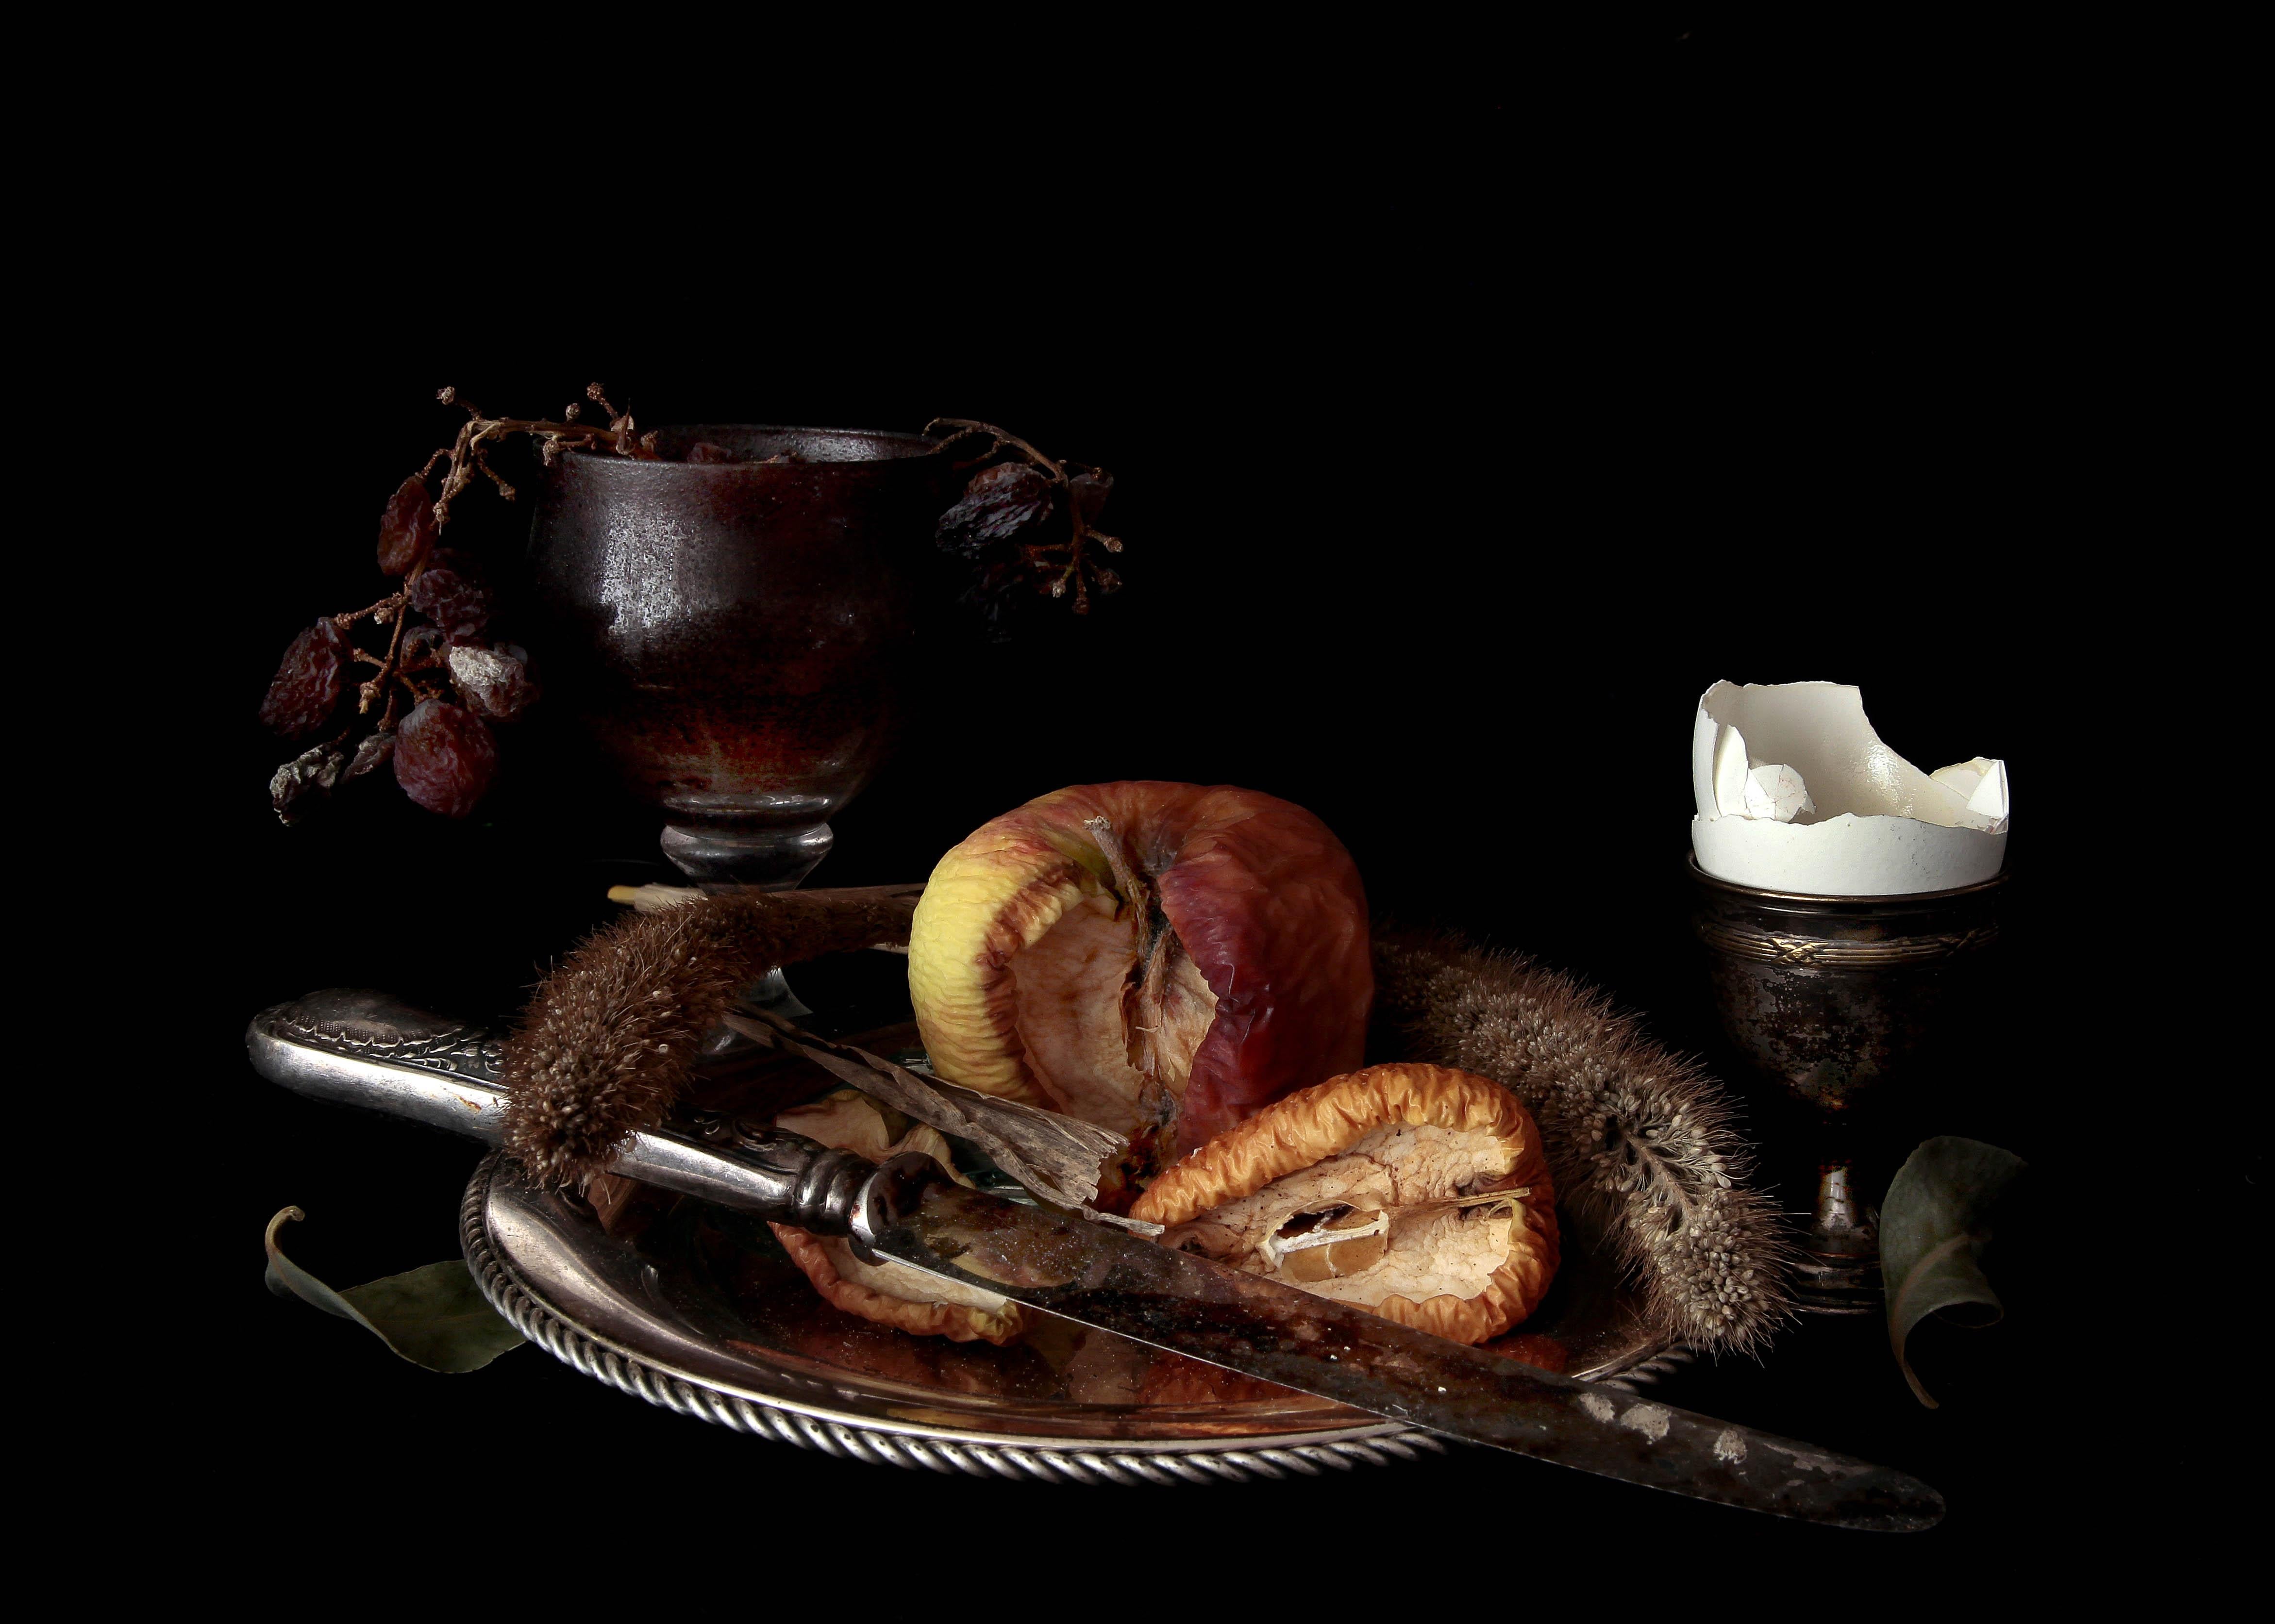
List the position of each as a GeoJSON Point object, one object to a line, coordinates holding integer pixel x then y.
{"type": "Point", "coordinates": [769, 858]}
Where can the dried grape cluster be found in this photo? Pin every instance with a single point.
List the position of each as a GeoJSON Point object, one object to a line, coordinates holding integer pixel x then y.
{"type": "Point", "coordinates": [1027, 521]}
{"type": "Point", "coordinates": [439, 685]}
{"type": "Point", "coordinates": [1024, 521]}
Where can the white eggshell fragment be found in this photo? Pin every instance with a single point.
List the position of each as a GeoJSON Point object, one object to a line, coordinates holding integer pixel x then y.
{"type": "Point", "coordinates": [1776, 793]}
{"type": "Point", "coordinates": [1796, 792]}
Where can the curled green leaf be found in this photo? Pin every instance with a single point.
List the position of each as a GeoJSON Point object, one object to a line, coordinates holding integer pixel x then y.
{"type": "Point", "coordinates": [1934, 1226]}
{"type": "Point", "coordinates": [434, 1316]}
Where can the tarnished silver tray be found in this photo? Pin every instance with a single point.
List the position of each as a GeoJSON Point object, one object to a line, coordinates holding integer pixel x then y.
{"type": "Point", "coordinates": [702, 1313]}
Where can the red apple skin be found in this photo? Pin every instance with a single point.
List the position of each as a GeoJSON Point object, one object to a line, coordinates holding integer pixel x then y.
{"type": "Point", "coordinates": [1265, 901]}
{"type": "Point", "coordinates": [1270, 907]}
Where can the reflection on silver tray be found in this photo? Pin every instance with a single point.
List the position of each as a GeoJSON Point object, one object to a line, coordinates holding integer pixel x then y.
{"type": "Point", "coordinates": [702, 1313]}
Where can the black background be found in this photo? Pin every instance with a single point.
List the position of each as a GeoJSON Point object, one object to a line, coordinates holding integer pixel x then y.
{"type": "Point", "coordinates": [1458, 449]}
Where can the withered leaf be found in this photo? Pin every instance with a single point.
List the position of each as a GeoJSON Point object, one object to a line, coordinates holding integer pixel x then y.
{"type": "Point", "coordinates": [1934, 1226]}
{"type": "Point", "coordinates": [435, 1316]}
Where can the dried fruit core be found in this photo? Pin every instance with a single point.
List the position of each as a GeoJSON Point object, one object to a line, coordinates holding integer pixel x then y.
{"type": "Point", "coordinates": [1109, 1008]}
{"type": "Point", "coordinates": [1434, 1213]}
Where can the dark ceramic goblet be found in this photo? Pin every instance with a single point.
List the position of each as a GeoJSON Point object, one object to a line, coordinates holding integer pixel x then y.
{"type": "Point", "coordinates": [734, 632]}
{"type": "Point", "coordinates": [1835, 1000]}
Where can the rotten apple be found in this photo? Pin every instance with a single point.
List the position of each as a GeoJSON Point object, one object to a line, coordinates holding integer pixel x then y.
{"type": "Point", "coordinates": [1163, 960]}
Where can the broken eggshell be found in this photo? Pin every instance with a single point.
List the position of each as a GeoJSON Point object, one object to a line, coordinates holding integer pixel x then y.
{"type": "Point", "coordinates": [1796, 792]}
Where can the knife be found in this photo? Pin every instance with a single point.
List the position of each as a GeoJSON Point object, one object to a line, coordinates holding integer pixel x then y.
{"type": "Point", "coordinates": [367, 1049]}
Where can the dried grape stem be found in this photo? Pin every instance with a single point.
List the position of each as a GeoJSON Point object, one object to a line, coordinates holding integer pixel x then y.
{"type": "Point", "coordinates": [966, 427]}
{"type": "Point", "coordinates": [467, 452]}
{"type": "Point", "coordinates": [1035, 554]}
{"type": "Point", "coordinates": [388, 673]}
{"type": "Point", "coordinates": [393, 600]}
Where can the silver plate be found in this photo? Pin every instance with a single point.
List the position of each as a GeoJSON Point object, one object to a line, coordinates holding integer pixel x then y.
{"type": "Point", "coordinates": [702, 1313]}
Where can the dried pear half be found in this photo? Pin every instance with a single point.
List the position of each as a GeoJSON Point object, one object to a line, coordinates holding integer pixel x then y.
{"type": "Point", "coordinates": [888, 1292]}
{"type": "Point", "coordinates": [1417, 1192]}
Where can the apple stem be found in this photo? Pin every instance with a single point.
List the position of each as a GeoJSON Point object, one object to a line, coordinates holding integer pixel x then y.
{"type": "Point", "coordinates": [1131, 885]}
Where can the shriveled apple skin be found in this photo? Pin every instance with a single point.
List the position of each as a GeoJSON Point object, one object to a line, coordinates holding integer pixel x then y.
{"type": "Point", "coordinates": [1265, 899]}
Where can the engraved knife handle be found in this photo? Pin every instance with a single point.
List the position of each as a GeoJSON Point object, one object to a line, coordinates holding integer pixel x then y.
{"type": "Point", "coordinates": [358, 1047]}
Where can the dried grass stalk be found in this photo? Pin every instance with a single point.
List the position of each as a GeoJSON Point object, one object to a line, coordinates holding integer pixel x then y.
{"type": "Point", "coordinates": [1641, 1142]}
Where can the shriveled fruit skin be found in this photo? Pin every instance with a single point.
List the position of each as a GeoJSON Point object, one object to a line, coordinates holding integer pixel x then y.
{"type": "Point", "coordinates": [307, 684]}
{"type": "Point", "coordinates": [407, 529]}
{"type": "Point", "coordinates": [444, 757]}
{"type": "Point", "coordinates": [311, 773]}
{"type": "Point", "coordinates": [1263, 897]}
{"type": "Point", "coordinates": [375, 751]}
{"type": "Point", "coordinates": [1316, 1130]}
{"type": "Point", "coordinates": [998, 505]}
{"type": "Point", "coordinates": [493, 682]}
{"type": "Point", "coordinates": [453, 593]}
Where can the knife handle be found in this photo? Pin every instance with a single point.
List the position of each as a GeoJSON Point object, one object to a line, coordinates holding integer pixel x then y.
{"type": "Point", "coordinates": [354, 1047]}
{"type": "Point", "coordinates": [787, 1178]}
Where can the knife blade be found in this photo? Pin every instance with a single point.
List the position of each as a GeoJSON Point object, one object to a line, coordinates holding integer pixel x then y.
{"type": "Point", "coordinates": [366, 1049]}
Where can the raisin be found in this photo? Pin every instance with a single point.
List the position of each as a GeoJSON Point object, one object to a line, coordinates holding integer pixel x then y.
{"type": "Point", "coordinates": [372, 753]}
{"type": "Point", "coordinates": [423, 648]}
{"type": "Point", "coordinates": [407, 529]}
{"type": "Point", "coordinates": [1089, 492]}
{"type": "Point", "coordinates": [444, 757]}
{"type": "Point", "coordinates": [493, 682]}
{"type": "Point", "coordinates": [452, 592]}
{"type": "Point", "coordinates": [307, 684]}
{"type": "Point", "coordinates": [998, 505]}
{"type": "Point", "coordinates": [311, 773]}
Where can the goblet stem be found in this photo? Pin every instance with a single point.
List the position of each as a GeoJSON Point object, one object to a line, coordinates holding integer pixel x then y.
{"type": "Point", "coordinates": [1838, 1004]}
{"type": "Point", "coordinates": [1839, 1271]}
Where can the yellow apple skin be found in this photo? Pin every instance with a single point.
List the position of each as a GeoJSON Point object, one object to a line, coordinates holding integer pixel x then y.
{"type": "Point", "coordinates": [993, 895]}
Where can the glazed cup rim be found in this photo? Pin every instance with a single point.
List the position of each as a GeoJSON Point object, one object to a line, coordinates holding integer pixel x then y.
{"type": "Point", "coordinates": [913, 447]}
